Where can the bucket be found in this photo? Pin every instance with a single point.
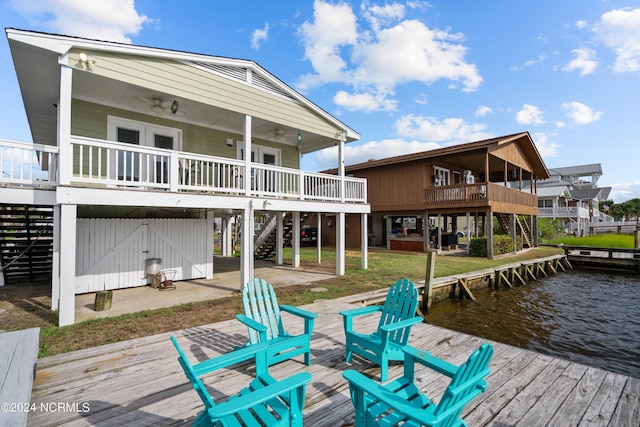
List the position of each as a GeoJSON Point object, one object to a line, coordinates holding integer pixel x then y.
{"type": "Point", "coordinates": [152, 268]}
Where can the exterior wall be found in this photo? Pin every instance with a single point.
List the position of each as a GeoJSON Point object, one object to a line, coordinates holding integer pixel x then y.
{"type": "Point", "coordinates": [200, 85]}
{"type": "Point", "coordinates": [397, 187]}
{"type": "Point", "coordinates": [90, 120]}
{"type": "Point", "coordinates": [329, 230]}
{"type": "Point", "coordinates": [112, 253]}
{"type": "Point", "coordinates": [513, 154]}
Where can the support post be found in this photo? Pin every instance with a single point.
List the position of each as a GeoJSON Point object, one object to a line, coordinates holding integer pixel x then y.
{"type": "Point", "coordinates": [246, 246]}
{"type": "Point", "coordinates": [427, 296]}
{"type": "Point", "coordinates": [340, 243]}
{"type": "Point", "coordinates": [364, 241]}
{"type": "Point", "coordinates": [488, 231]}
{"type": "Point", "coordinates": [279, 237]}
{"type": "Point", "coordinates": [67, 304]}
{"type": "Point", "coordinates": [295, 239]}
{"type": "Point", "coordinates": [319, 237]}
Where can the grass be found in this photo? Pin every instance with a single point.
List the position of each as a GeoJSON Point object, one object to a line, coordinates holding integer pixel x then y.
{"type": "Point", "coordinates": [384, 269]}
{"type": "Point", "coordinates": [597, 240]}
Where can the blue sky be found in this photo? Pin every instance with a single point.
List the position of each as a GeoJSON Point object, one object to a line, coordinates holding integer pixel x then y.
{"type": "Point", "coordinates": [408, 75]}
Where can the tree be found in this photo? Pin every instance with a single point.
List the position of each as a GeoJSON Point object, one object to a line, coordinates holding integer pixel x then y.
{"type": "Point", "coordinates": [616, 212]}
{"type": "Point", "coordinates": [631, 209]}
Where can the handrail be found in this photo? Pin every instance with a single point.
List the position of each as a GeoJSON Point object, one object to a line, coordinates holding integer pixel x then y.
{"type": "Point", "coordinates": [27, 163]}
{"type": "Point", "coordinates": [115, 164]}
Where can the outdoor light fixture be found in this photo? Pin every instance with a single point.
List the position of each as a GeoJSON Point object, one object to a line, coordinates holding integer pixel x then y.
{"type": "Point", "coordinates": [174, 106]}
{"type": "Point", "coordinates": [84, 58]}
{"type": "Point", "coordinates": [229, 142]}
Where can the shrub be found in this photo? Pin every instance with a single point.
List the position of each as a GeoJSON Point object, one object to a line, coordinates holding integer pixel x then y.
{"type": "Point", "coordinates": [501, 245]}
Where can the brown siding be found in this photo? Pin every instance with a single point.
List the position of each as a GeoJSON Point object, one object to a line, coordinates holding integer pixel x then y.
{"type": "Point", "coordinates": [396, 186]}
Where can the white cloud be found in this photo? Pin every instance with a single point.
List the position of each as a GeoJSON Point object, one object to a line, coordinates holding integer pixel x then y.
{"type": "Point", "coordinates": [259, 35]}
{"type": "Point", "coordinates": [382, 15]}
{"type": "Point", "coordinates": [621, 193]}
{"type": "Point", "coordinates": [359, 153]}
{"type": "Point", "coordinates": [376, 58]}
{"type": "Point", "coordinates": [541, 58]}
{"type": "Point", "coordinates": [113, 20]}
{"type": "Point", "coordinates": [580, 113]}
{"type": "Point", "coordinates": [483, 110]}
{"type": "Point", "coordinates": [620, 30]}
{"type": "Point", "coordinates": [544, 146]}
{"type": "Point", "coordinates": [584, 61]}
{"type": "Point", "coordinates": [448, 131]}
{"type": "Point", "coordinates": [365, 101]}
{"type": "Point", "coordinates": [529, 115]}
{"type": "Point", "coordinates": [334, 26]}
{"type": "Point", "coordinates": [581, 24]}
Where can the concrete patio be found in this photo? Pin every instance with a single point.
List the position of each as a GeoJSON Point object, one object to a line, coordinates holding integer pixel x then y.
{"type": "Point", "coordinates": [224, 283]}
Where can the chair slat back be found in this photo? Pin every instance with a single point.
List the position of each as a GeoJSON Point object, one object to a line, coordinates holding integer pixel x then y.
{"type": "Point", "coordinates": [192, 376]}
{"type": "Point", "coordinates": [260, 304]}
{"type": "Point", "coordinates": [466, 384]}
{"type": "Point", "coordinates": [401, 304]}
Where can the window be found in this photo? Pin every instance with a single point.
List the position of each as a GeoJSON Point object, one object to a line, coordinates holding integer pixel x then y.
{"type": "Point", "coordinates": [130, 166]}
{"type": "Point", "coordinates": [267, 179]}
{"type": "Point", "coordinates": [440, 176]}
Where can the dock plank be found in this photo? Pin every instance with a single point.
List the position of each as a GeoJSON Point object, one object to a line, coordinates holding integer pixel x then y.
{"type": "Point", "coordinates": [140, 383]}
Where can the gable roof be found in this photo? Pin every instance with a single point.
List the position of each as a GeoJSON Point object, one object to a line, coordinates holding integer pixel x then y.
{"type": "Point", "coordinates": [555, 191]}
{"type": "Point", "coordinates": [580, 170]}
{"type": "Point", "coordinates": [38, 56]}
{"type": "Point", "coordinates": [469, 154]}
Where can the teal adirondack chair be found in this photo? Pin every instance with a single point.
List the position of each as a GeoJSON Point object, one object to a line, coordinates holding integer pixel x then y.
{"type": "Point", "coordinates": [263, 319]}
{"type": "Point", "coordinates": [400, 401]}
{"type": "Point", "coordinates": [264, 402]}
{"type": "Point", "coordinates": [398, 315]}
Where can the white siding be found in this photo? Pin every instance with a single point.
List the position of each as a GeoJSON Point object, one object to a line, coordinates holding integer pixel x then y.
{"type": "Point", "coordinates": [112, 253]}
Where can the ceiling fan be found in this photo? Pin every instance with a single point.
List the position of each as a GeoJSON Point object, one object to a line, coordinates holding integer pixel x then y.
{"type": "Point", "coordinates": [158, 106]}
{"type": "Point", "coordinates": [281, 135]}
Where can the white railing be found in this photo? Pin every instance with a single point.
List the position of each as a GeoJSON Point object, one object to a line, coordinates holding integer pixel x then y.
{"type": "Point", "coordinates": [28, 164]}
{"type": "Point", "coordinates": [563, 212]}
{"type": "Point", "coordinates": [100, 162]}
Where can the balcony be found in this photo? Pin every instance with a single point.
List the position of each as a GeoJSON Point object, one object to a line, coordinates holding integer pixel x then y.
{"type": "Point", "coordinates": [99, 163]}
{"type": "Point", "coordinates": [479, 194]}
{"type": "Point", "coordinates": [574, 212]}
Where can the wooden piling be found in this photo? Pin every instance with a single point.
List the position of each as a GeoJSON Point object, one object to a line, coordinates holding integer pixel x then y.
{"type": "Point", "coordinates": [427, 296]}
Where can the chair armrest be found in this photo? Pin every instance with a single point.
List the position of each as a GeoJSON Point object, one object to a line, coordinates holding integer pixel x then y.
{"type": "Point", "coordinates": [228, 359]}
{"type": "Point", "coordinates": [401, 324]}
{"type": "Point", "coordinates": [425, 358]}
{"type": "Point", "coordinates": [381, 393]}
{"type": "Point", "coordinates": [257, 326]}
{"type": "Point", "coordinates": [253, 398]}
{"type": "Point", "coordinates": [361, 311]}
{"type": "Point", "coordinates": [298, 312]}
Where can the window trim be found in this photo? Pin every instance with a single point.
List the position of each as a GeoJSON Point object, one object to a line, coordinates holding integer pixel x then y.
{"type": "Point", "coordinates": [146, 129]}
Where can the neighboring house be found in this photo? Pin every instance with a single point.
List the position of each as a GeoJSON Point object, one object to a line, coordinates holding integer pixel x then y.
{"type": "Point", "coordinates": [571, 195]}
{"type": "Point", "coordinates": [136, 150]}
{"type": "Point", "coordinates": [427, 199]}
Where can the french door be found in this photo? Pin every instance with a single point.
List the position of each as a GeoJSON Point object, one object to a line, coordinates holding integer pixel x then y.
{"type": "Point", "coordinates": [130, 165]}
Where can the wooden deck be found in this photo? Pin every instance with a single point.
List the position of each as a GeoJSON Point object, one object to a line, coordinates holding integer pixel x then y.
{"type": "Point", "coordinates": [139, 382]}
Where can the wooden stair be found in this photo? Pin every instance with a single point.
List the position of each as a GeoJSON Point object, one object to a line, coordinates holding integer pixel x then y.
{"type": "Point", "coordinates": [522, 227]}
{"type": "Point", "coordinates": [26, 242]}
{"type": "Point", "coordinates": [267, 248]}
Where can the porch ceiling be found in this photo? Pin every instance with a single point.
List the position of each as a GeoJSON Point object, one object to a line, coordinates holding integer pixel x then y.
{"type": "Point", "coordinates": [38, 74]}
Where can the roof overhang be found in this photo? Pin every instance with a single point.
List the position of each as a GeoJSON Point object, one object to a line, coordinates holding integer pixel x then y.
{"type": "Point", "coordinates": [38, 57]}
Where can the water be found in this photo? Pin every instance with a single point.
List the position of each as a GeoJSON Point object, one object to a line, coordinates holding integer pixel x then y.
{"type": "Point", "coordinates": [588, 317]}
